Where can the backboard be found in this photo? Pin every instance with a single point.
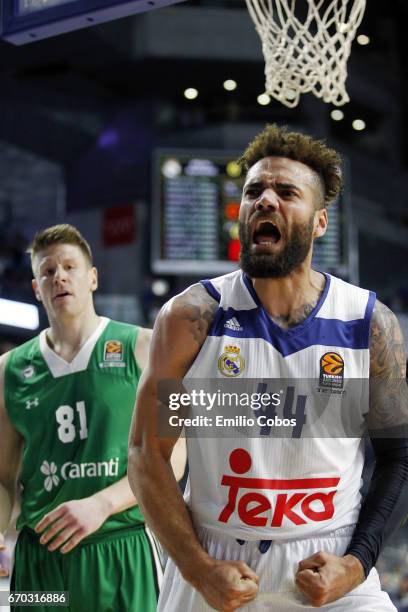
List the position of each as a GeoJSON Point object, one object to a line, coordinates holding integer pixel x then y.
{"type": "Point", "coordinates": [26, 21]}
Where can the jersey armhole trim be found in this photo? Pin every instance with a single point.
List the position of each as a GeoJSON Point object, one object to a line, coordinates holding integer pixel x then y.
{"type": "Point", "coordinates": [6, 387]}
{"type": "Point", "coordinates": [134, 343]}
{"type": "Point", "coordinates": [367, 318]}
{"type": "Point", "coordinates": [211, 290]}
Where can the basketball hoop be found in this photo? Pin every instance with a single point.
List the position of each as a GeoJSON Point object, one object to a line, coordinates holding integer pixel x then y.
{"type": "Point", "coordinates": [306, 45]}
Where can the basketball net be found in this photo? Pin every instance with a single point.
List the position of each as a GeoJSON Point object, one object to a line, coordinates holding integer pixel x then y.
{"type": "Point", "coordinates": [306, 51]}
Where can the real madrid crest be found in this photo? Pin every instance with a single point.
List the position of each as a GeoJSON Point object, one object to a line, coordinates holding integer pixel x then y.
{"type": "Point", "coordinates": [231, 363]}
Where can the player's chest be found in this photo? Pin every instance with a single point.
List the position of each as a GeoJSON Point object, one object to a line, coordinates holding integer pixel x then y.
{"type": "Point", "coordinates": [232, 358]}
{"type": "Point", "coordinates": [66, 408]}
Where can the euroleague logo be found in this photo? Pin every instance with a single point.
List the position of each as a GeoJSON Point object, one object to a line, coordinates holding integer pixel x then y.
{"type": "Point", "coordinates": [113, 355]}
{"type": "Point", "coordinates": [113, 350]}
{"type": "Point", "coordinates": [331, 370]}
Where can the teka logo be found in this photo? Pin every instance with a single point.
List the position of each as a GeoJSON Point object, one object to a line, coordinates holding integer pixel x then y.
{"type": "Point", "coordinates": [331, 370]}
{"type": "Point", "coordinates": [296, 507]}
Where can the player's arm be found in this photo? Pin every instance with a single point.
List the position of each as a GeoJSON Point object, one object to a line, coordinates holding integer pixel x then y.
{"type": "Point", "coordinates": [385, 506]}
{"type": "Point", "coordinates": [10, 458]}
{"type": "Point", "coordinates": [179, 454]}
{"type": "Point", "coordinates": [322, 577]}
{"type": "Point", "coordinates": [180, 331]}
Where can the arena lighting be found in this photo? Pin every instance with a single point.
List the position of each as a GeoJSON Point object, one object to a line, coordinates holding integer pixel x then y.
{"type": "Point", "coordinates": [230, 85]}
{"type": "Point", "coordinates": [263, 99]}
{"type": "Point", "coordinates": [337, 114]}
{"type": "Point", "coordinates": [172, 168]}
{"type": "Point", "coordinates": [19, 314]}
{"type": "Point", "coordinates": [233, 169]}
{"type": "Point", "coordinates": [191, 93]}
{"type": "Point", "coordinates": [160, 287]}
{"type": "Point", "coordinates": [358, 124]}
{"type": "Point", "coordinates": [363, 40]}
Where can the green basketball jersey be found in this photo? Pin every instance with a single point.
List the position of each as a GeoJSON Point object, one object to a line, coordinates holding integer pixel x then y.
{"type": "Point", "coordinates": [74, 419]}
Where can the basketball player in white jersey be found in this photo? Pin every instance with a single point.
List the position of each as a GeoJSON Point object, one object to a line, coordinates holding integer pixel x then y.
{"type": "Point", "coordinates": [275, 524]}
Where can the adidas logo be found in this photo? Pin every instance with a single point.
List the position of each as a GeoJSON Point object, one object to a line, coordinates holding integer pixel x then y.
{"type": "Point", "coordinates": [233, 325]}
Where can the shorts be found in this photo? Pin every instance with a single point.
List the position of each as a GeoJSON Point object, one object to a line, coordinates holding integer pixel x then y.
{"type": "Point", "coordinates": [110, 572]}
{"type": "Point", "coordinates": [276, 569]}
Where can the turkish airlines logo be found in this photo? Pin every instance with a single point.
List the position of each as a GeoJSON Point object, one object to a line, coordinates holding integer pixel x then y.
{"type": "Point", "coordinates": [255, 508]}
{"type": "Point", "coordinates": [331, 370]}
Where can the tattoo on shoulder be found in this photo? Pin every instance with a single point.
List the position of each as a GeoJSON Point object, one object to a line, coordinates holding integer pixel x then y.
{"type": "Point", "coordinates": [387, 348]}
{"type": "Point", "coordinates": [199, 309]}
{"type": "Point", "coordinates": [388, 388]}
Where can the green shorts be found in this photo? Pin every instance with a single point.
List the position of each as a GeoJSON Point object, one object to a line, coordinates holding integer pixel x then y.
{"type": "Point", "coordinates": [111, 572]}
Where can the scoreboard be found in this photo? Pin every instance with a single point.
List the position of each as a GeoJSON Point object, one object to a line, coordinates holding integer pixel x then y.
{"type": "Point", "coordinates": [25, 21]}
{"type": "Point", "coordinates": [196, 199]}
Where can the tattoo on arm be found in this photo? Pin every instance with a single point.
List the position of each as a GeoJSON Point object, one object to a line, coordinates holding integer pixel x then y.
{"type": "Point", "coordinates": [387, 348]}
{"type": "Point", "coordinates": [199, 309]}
{"type": "Point", "coordinates": [388, 388]}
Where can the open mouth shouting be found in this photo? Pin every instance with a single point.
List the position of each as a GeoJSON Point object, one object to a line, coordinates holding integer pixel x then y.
{"type": "Point", "coordinates": [266, 235]}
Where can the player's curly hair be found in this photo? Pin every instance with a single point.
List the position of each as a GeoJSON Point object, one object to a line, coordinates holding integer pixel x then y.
{"type": "Point", "coordinates": [279, 141]}
{"type": "Point", "coordinates": [64, 233]}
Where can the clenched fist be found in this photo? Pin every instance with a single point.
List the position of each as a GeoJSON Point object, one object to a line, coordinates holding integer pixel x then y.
{"type": "Point", "coordinates": [324, 577]}
{"type": "Point", "coordinates": [228, 585]}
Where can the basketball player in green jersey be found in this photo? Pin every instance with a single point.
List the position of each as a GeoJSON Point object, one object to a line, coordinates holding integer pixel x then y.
{"type": "Point", "coordinates": [66, 401]}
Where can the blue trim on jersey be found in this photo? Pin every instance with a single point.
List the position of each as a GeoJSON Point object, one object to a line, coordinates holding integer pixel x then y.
{"type": "Point", "coordinates": [297, 329]}
{"type": "Point", "coordinates": [257, 324]}
{"type": "Point", "coordinates": [368, 314]}
{"type": "Point", "coordinates": [209, 287]}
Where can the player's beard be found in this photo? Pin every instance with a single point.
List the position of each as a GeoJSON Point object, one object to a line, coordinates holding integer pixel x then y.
{"type": "Point", "coordinates": [276, 265]}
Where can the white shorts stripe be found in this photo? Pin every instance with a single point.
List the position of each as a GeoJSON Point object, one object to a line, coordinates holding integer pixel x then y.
{"type": "Point", "coordinates": [157, 556]}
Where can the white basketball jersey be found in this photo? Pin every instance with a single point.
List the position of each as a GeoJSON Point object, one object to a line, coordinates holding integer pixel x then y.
{"type": "Point", "coordinates": [279, 488]}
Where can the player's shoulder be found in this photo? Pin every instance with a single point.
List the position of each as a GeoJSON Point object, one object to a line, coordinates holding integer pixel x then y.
{"type": "Point", "coordinates": [141, 349]}
{"type": "Point", "coordinates": [383, 316]}
{"type": "Point", "coordinates": [192, 302]}
{"type": "Point", "coordinates": [387, 345]}
{"type": "Point", "coordinates": [120, 331]}
{"type": "Point", "coordinates": [343, 286]}
{"type": "Point", "coordinates": [205, 295]}
{"type": "Point", "coordinates": [120, 326]}
{"type": "Point", "coordinates": [183, 323]}
{"type": "Point", "coordinates": [345, 301]}
{"type": "Point", "coordinates": [144, 337]}
{"type": "Point", "coordinates": [3, 361]}
{"type": "Point", "coordinates": [384, 324]}
{"type": "Point", "coordinates": [23, 352]}
{"type": "Point", "coordinates": [138, 336]}
{"type": "Point", "coordinates": [15, 356]}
